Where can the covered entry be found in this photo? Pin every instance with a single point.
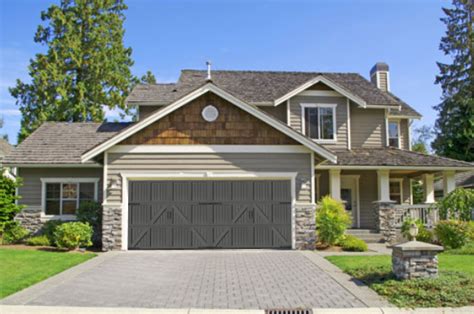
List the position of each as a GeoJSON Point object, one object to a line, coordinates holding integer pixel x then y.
{"type": "Point", "coordinates": [186, 214]}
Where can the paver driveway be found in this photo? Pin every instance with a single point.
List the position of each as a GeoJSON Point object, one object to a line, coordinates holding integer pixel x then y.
{"type": "Point", "coordinates": [200, 279]}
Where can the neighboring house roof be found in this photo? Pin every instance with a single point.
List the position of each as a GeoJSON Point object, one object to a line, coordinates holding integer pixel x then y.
{"type": "Point", "coordinates": [463, 179]}
{"type": "Point", "coordinates": [393, 157]}
{"type": "Point", "coordinates": [264, 87]}
{"type": "Point", "coordinates": [5, 148]}
{"type": "Point", "coordinates": [61, 142]}
{"type": "Point", "coordinates": [199, 91]}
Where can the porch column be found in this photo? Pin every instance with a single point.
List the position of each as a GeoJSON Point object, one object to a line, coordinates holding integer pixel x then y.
{"type": "Point", "coordinates": [335, 183]}
{"type": "Point", "coordinates": [428, 186]}
{"type": "Point", "coordinates": [449, 182]}
{"type": "Point", "coordinates": [383, 185]}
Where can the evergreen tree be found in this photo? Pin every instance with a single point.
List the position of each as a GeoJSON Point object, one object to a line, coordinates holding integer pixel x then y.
{"type": "Point", "coordinates": [148, 78]}
{"type": "Point", "coordinates": [454, 127]}
{"type": "Point", "coordinates": [85, 67]}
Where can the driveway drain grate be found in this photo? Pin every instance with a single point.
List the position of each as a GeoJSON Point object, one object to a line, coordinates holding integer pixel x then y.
{"type": "Point", "coordinates": [289, 311]}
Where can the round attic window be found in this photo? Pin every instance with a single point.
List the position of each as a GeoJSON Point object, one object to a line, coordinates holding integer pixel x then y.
{"type": "Point", "coordinates": [210, 113]}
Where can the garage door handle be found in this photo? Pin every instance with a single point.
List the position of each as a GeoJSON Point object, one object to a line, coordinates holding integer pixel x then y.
{"type": "Point", "coordinates": [170, 215]}
{"type": "Point", "coordinates": [251, 213]}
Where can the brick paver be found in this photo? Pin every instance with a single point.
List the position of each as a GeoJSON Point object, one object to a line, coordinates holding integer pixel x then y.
{"type": "Point", "coordinates": [204, 279]}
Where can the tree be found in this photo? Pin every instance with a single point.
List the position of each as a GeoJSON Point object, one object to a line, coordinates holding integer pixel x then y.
{"type": "Point", "coordinates": [148, 78]}
{"type": "Point", "coordinates": [420, 144]}
{"type": "Point", "coordinates": [454, 127]}
{"type": "Point", "coordinates": [8, 198]}
{"type": "Point", "coordinates": [85, 67]}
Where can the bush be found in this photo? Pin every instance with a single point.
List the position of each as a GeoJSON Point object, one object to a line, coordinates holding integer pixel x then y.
{"type": "Point", "coordinates": [13, 232]}
{"type": "Point", "coordinates": [72, 235]}
{"type": "Point", "coordinates": [353, 244]}
{"type": "Point", "coordinates": [467, 249]}
{"type": "Point", "coordinates": [453, 234]}
{"type": "Point", "coordinates": [8, 208]}
{"type": "Point", "coordinates": [424, 234]}
{"type": "Point", "coordinates": [41, 240]}
{"type": "Point", "coordinates": [332, 220]}
{"type": "Point", "coordinates": [91, 212]}
{"type": "Point", "coordinates": [49, 228]}
{"type": "Point", "coordinates": [457, 205]}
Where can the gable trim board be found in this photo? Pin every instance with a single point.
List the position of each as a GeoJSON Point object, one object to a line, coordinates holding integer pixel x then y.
{"type": "Point", "coordinates": [209, 87]}
{"type": "Point", "coordinates": [128, 176]}
{"type": "Point", "coordinates": [326, 81]}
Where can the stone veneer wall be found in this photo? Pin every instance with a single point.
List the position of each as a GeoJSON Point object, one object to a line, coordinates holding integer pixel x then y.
{"type": "Point", "coordinates": [111, 227]}
{"type": "Point", "coordinates": [30, 218]}
{"type": "Point", "coordinates": [384, 216]}
{"type": "Point", "coordinates": [305, 225]}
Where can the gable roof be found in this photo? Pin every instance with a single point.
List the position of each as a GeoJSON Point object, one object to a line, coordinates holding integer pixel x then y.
{"type": "Point", "coordinates": [62, 142]}
{"type": "Point", "coordinates": [211, 87]}
{"type": "Point", "coordinates": [265, 87]}
{"type": "Point", "coordinates": [463, 179]}
{"type": "Point", "coordinates": [5, 148]}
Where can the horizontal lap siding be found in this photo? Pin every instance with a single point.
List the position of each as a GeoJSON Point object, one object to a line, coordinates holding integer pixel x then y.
{"type": "Point", "coordinates": [367, 127]}
{"type": "Point", "coordinates": [341, 115]}
{"type": "Point", "coordinates": [404, 137]}
{"type": "Point", "coordinates": [30, 192]}
{"type": "Point", "coordinates": [299, 163]}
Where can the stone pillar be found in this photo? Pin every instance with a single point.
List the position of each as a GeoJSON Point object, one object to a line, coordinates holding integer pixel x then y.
{"type": "Point", "coordinates": [335, 183]}
{"type": "Point", "coordinates": [428, 186]}
{"type": "Point", "coordinates": [30, 218]}
{"type": "Point", "coordinates": [305, 227]}
{"type": "Point", "coordinates": [415, 259]}
{"type": "Point", "coordinates": [384, 215]}
{"type": "Point", "coordinates": [111, 227]}
{"type": "Point", "coordinates": [449, 182]}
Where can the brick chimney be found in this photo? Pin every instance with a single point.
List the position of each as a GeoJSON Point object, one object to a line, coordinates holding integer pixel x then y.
{"type": "Point", "coordinates": [380, 76]}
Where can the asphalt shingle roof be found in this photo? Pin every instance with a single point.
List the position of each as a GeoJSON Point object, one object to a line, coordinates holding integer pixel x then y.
{"type": "Point", "coordinates": [257, 87]}
{"type": "Point", "coordinates": [463, 179]}
{"type": "Point", "coordinates": [61, 142]}
{"type": "Point", "coordinates": [388, 156]}
{"type": "Point", "coordinates": [5, 148]}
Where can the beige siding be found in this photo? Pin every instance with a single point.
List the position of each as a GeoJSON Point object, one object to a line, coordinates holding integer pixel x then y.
{"type": "Point", "coordinates": [367, 127]}
{"type": "Point", "coordinates": [31, 192]}
{"type": "Point", "coordinates": [341, 115]}
{"type": "Point", "coordinates": [404, 137]}
{"type": "Point", "coordinates": [299, 163]}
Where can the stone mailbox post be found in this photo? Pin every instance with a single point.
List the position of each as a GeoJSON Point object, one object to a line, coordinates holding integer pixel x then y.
{"type": "Point", "coordinates": [415, 259]}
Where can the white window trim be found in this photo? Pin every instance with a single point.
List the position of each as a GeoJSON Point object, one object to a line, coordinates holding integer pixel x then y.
{"type": "Point", "coordinates": [320, 105]}
{"type": "Point", "coordinates": [398, 132]}
{"type": "Point", "coordinates": [62, 181]}
{"type": "Point", "coordinates": [400, 182]}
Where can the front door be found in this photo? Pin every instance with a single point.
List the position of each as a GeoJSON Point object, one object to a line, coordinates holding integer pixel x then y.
{"type": "Point", "coordinates": [350, 197]}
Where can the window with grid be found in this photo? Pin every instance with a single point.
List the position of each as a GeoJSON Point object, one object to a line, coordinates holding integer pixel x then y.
{"type": "Point", "coordinates": [320, 122]}
{"type": "Point", "coordinates": [393, 134]}
{"type": "Point", "coordinates": [64, 198]}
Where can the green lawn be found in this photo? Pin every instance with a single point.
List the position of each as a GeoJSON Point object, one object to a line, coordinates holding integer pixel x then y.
{"type": "Point", "coordinates": [453, 287]}
{"type": "Point", "coordinates": [22, 268]}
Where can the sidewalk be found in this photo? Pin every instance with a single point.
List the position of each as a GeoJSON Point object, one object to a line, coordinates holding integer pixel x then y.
{"type": "Point", "coordinates": [23, 309]}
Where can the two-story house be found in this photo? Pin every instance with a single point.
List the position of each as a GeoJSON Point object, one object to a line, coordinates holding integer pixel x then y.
{"type": "Point", "coordinates": [234, 159]}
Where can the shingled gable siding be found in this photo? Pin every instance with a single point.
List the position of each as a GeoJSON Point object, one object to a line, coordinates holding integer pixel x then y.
{"type": "Point", "coordinates": [367, 127]}
{"type": "Point", "coordinates": [187, 126]}
{"type": "Point", "coordinates": [249, 162]}
{"type": "Point", "coordinates": [341, 115]}
{"type": "Point", "coordinates": [145, 111]}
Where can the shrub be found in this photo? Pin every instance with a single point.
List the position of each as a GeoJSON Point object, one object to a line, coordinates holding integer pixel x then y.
{"type": "Point", "coordinates": [457, 205]}
{"type": "Point", "coordinates": [41, 240]}
{"type": "Point", "coordinates": [353, 244]}
{"type": "Point", "coordinates": [49, 228]}
{"type": "Point", "coordinates": [8, 208]}
{"type": "Point", "coordinates": [453, 234]}
{"type": "Point", "coordinates": [467, 249]}
{"type": "Point", "coordinates": [332, 220]}
{"type": "Point", "coordinates": [91, 212]}
{"type": "Point", "coordinates": [72, 235]}
{"type": "Point", "coordinates": [424, 234]}
{"type": "Point", "coordinates": [13, 232]}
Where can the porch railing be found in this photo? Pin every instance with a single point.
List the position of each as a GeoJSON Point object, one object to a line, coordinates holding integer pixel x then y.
{"type": "Point", "coordinates": [427, 213]}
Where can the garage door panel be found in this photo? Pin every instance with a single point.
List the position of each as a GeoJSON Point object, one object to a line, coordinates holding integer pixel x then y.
{"type": "Point", "coordinates": [209, 214]}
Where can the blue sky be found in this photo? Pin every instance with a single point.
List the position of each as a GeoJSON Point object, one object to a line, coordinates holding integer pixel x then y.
{"type": "Point", "coordinates": [339, 36]}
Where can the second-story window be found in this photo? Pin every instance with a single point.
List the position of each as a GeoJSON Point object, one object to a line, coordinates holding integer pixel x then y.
{"type": "Point", "coordinates": [319, 121]}
{"type": "Point", "coordinates": [393, 134]}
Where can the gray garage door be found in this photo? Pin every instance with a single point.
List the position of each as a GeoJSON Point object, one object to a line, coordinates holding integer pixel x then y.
{"type": "Point", "coordinates": [209, 214]}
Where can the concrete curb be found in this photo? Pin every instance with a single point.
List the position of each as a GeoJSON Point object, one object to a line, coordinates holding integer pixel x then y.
{"type": "Point", "coordinates": [23, 309]}
{"type": "Point", "coordinates": [356, 288]}
{"type": "Point", "coordinates": [31, 293]}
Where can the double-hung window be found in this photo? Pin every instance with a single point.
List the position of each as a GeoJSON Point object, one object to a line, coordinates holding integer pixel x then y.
{"type": "Point", "coordinates": [319, 121]}
{"type": "Point", "coordinates": [394, 134]}
{"type": "Point", "coordinates": [396, 190]}
{"type": "Point", "coordinates": [63, 196]}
